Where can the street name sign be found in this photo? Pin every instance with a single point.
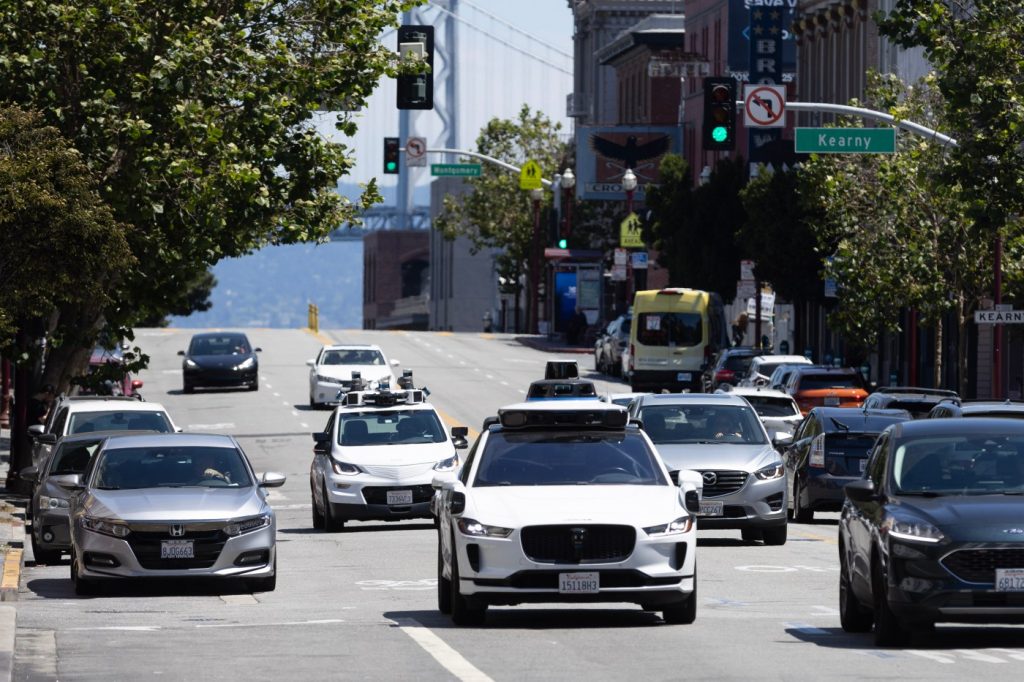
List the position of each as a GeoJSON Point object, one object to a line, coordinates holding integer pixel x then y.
{"type": "Point", "coordinates": [845, 141]}
{"type": "Point", "coordinates": [999, 316]}
{"type": "Point", "coordinates": [460, 170]}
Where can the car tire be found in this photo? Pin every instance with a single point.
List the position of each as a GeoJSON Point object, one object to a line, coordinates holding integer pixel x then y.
{"type": "Point", "coordinates": [255, 385]}
{"type": "Point", "coordinates": [889, 629]}
{"type": "Point", "coordinates": [268, 584]}
{"type": "Point", "coordinates": [332, 524]}
{"type": "Point", "coordinates": [852, 616]}
{"type": "Point", "coordinates": [465, 610]}
{"type": "Point", "coordinates": [684, 613]}
{"type": "Point", "coordinates": [751, 534]}
{"type": "Point", "coordinates": [83, 586]}
{"type": "Point", "coordinates": [43, 555]}
{"type": "Point", "coordinates": [444, 585]}
{"type": "Point", "coordinates": [801, 514]}
{"type": "Point", "coordinates": [318, 516]}
{"type": "Point", "coordinates": [776, 535]}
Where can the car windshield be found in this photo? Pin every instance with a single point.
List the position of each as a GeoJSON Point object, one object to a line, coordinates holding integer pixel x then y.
{"type": "Point", "coordinates": [773, 407]}
{"type": "Point", "coordinates": [171, 467]}
{"type": "Point", "coordinates": [229, 344]}
{"type": "Point", "coordinates": [114, 420]}
{"type": "Point", "coordinates": [669, 329]}
{"type": "Point", "coordinates": [768, 368]}
{"type": "Point", "coordinates": [819, 382]}
{"type": "Point", "coordinates": [72, 458]}
{"type": "Point", "coordinates": [702, 424]}
{"type": "Point", "coordinates": [352, 357]}
{"type": "Point", "coordinates": [567, 458]}
{"type": "Point", "coordinates": [960, 465]}
{"type": "Point", "coordinates": [394, 427]}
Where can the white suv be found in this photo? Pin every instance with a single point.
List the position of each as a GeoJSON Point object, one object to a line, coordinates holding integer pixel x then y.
{"type": "Point", "coordinates": [331, 370]}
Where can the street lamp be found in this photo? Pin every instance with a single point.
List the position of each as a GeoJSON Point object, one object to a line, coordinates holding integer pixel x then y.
{"type": "Point", "coordinates": [535, 196]}
{"type": "Point", "coordinates": [629, 185]}
{"type": "Point", "coordinates": [568, 182]}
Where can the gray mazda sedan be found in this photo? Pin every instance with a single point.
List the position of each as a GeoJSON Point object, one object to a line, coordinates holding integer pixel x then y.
{"type": "Point", "coordinates": [171, 505]}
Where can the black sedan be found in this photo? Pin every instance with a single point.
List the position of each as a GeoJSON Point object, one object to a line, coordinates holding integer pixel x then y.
{"type": "Point", "coordinates": [934, 531]}
{"type": "Point", "coordinates": [217, 359]}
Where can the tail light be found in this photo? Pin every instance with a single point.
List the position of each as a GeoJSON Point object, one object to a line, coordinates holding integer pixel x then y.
{"type": "Point", "coordinates": [723, 375]}
{"type": "Point", "coordinates": [816, 457]}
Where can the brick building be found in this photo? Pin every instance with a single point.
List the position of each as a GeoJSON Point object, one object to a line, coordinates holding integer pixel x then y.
{"type": "Point", "coordinates": [396, 276]}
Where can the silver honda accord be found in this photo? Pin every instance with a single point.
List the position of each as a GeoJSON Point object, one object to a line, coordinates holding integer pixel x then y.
{"type": "Point", "coordinates": [171, 505]}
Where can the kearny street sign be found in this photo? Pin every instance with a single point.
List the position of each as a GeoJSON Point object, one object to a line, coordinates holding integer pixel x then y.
{"type": "Point", "coordinates": [845, 141]}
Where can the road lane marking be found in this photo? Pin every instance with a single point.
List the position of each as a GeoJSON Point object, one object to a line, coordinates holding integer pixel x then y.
{"type": "Point", "coordinates": [296, 507]}
{"type": "Point", "coordinates": [236, 599]}
{"type": "Point", "coordinates": [409, 585]}
{"type": "Point", "coordinates": [303, 424]}
{"type": "Point", "coordinates": [452, 421]}
{"type": "Point", "coordinates": [319, 336]}
{"type": "Point", "coordinates": [932, 655]}
{"type": "Point", "coordinates": [978, 656]}
{"type": "Point", "coordinates": [814, 536]}
{"type": "Point", "coordinates": [504, 383]}
{"type": "Point", "coordinates": [210, 427]}
{"type": "Point", "coordinates": [328, 621]}
{"type": "Point", "coordinates": [825, 610]}
{"type": "Point", "coordinates": [449, 658]}
{"type": "Point", "coordinates": [276, 394]}
{"type": "Point", "coordinates": [489, 376]}
{"type": "Point", "coordinates": [522, 391]}
{"type": "Point", "coordinates": [295, 413]}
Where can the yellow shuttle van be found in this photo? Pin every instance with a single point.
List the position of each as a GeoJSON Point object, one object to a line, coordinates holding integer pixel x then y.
{"type": "Point", "coordinates": [675, 334]}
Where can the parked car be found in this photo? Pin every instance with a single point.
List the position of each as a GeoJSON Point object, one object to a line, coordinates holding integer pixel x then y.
{"type": "Point", "coordinates": [917, 401]}
{"type": "Point", "coordinates": [220, 359]}
{"type": "Point", "coordinates": [829, 450]}
{"type": "Point", "coordinates": [933, 531]}
{"type": "Point", "coordinates": [171, 505]}
{"type": "Point", "coordinates": [719, 436]}
{"type": "Point", "coordinates": [729, 365]}
{"type": "Point", "coordinates": [762, 367]}
{"type": "Point", "coordinates": [610, 344]}
{"type": "Point", "coordinates": [1010, 409]}
{"type": "Point", "coordinates": [331, 370]}
{"type": "Point", "coordinates": [827, 387]}
{"type": "Point", "coordinates": [780, 376]}
{"type": "Point", "coordinates": [107, 375]}
{"type": "Point", "coordinates": [776, 410]}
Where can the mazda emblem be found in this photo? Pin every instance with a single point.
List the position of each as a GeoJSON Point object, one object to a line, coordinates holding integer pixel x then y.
{"type": "Point", "coordinates": [177, 530]}
{"type": "Point", "coordinates": [710, 477]}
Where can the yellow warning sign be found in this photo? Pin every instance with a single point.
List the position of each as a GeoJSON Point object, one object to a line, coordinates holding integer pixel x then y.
{"type": "Point", "coordinates": [530, 176]}
{"type": "Point", "coordinates": [629, 233]}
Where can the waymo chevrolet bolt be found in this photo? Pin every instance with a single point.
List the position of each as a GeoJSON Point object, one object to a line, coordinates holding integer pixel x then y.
{"type": "Point", "coordinates": [562, 501]}
{"type": "Point", "coordinates": [168, 506]}
{"type": "Point", "coordinates": [377, 456]}
{"type": "Point", "coordinates": [331, 370]}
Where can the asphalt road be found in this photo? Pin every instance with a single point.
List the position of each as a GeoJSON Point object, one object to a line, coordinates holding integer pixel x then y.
{"type": "Point", "coordinates": [361, 604]}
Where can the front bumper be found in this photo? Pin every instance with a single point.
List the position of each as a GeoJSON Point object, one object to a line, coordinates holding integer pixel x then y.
{"type": "Point", "coordinates": [929, 584]}
{"type": "Point", "coordinates": [364, 498]}
{"type": "Point", "coordinates": [52, 523]}
{"type": "Point", "coordinates": [250, 555]}
{"type": "Point", "coordinates": [757, 504]}
{"type": "Point", "coordinates": [220, 377]}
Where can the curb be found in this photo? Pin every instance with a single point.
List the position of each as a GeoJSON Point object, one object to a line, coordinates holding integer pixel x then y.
{"type": "Point", "coordinates": [542, 344]}
{"type": "Point", "coordinates": [8, 628]}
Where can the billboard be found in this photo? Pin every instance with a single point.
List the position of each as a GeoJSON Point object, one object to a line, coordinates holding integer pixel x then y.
{"type": "Point", "coordinates": [603, 153]}
{"type": "Point", "coordinates": [782, 11]}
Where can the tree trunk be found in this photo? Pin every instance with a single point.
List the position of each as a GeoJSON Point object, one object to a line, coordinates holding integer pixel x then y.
{"type": "Point", "coordinates": [961, 310]}
{"type": "Point", "coordinates": [937, 376]}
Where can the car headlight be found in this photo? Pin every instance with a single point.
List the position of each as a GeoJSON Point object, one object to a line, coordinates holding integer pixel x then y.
{"type": "Point", "coordinates": [477, 529]}
{"type": "Point", "coordinates": [345, 469]}
{"type": "Point", "coordinates": [51, 503]}
{"type": "Point", "coordinates": [190, 363]}
{"type": "Point", "coordinates": [327, 380]}
{"type": "Point", "coordinates": [116, 529]}
{"type": "Point", "coordinates": [447, 464]}
{"type": "Point", "coordinates": [770, 472]}
{"type": "Point", "coordinates": [913, 531]}
{"type": "Point", "coordinates": [681, 525]}
{"type": "Point", "coordinates": [248, 363]}
{"type": "Point", "coordinates": [247, 525]}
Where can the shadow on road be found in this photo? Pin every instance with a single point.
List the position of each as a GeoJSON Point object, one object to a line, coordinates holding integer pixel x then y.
{"type": "Point", "coordinates": [951, 637]}
{"type": "Point", "coordinates": [58, 588]}
{"type": "Point", "coordinates": [539, 618]}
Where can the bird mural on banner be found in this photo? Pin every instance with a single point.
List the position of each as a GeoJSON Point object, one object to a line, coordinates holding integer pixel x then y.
{"type": "Point", "coordinates": [631, 153]}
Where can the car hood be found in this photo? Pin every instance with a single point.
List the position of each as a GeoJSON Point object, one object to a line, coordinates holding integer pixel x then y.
{"type": "Point", "coordinates": [701, 456]}
{"type": "Point", "coordinates": [219, 361]}
{"type": "Point", "coordinates": [988, 518]}
{"type": "Point", "coordinates": [367, 372]}
{"type": "Point", "coordinates": [517, 506]}
{"type": "Point", "coordinates": [177, 504]}
{"type": "Point", "coordinates": [396, 455]}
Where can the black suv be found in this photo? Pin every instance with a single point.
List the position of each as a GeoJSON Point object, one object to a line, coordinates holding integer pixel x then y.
{"type": "Point", "coordinates": [729, 367]}
{"type": "Point", "coordinates": [830, 449]}
{"type": "Point", "coordinates": [1008, 409]}
{"type": "Point", "coordinates": [917, 401]}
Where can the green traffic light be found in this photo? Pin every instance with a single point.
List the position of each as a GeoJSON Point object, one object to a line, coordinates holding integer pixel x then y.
{"type": "Point", "coordinates": [392, 165]}
{"type": "Point", "coordinates": [719, 134]}
{"type": "Point", "coordinates": [563, 243]}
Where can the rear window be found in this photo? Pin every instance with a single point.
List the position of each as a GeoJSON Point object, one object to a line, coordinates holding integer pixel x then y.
{"type": "Point", "coordinates": [849, 445]}
{"type": "Point", "coordinates": [738, 363]}
{"type": "Point", "coordinates": [917, 408]}
{"type": "Point", "coordinates": [773, 407]}
{"type": "Point", "coordinates": [767, 368]}
{"type": "Point", "coordinates": [135, 420]}
{"type": "Point", "coordinates": [818, 382]}
{"type": "Point", "coordinates": [670, 329]}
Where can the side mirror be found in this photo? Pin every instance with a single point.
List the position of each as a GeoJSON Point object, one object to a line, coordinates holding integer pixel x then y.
{"type": "Point", "coordinates": [862, 490]}
{"type": "Point", "coordinates": [322, 441]}
{"type": "Point", "coordinates": [36, 430]}
{"type": "Point", "coordinates": [47, 439]}
{"type": "Point", "coordinates": [782, 438]}
{"type": "Point", "coordinates": [395, 363]}
{"type": "Point", "coordinates": [136, 383]}
{"type": "Point", "coordinates": [29, 474]}
{"type": "Point", "coordinates": [181, 352]}
{"type": "Point", "coordinates": [272, 479]}
{"type": "Point", "coordinates": [257, 349]}
{"type": "Point", "coordinates": [310, 363]}
{"type": "Point", "coordinates": [458, 503]}
{"type": "Point", "coordinates": [69, 481]}
{"type": "Point", "coordinates": [692, 485]}
{"type": "Point", "coordinates": [460, 436]}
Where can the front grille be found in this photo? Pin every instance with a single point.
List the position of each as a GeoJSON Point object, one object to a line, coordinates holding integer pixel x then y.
{"type": "Point", "coordinates": [979, 565]}
{"type": "Point", "coordinates": [379, 494]}
{"type": "Point", "coordinates": [548, 580]}
{"type": "Point", "coordinates": [207, 545]}
{"type": "Point", "coordinates": [578, 543]}
{"type": "Point", "coordinates": [396, 473]}
{"type": "Point", "coordinates": [726, 482]}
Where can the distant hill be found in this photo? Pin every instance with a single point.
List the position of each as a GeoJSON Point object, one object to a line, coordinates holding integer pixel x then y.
{"type": "Point", "coordinates": [272, 288]}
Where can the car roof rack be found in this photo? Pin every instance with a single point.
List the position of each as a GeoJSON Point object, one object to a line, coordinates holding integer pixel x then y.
{"type": "Point", "coordinates": [586, 415]}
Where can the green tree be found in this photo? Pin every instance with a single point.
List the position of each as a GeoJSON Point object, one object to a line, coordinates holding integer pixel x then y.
{"type": "Point", "coordinates": [496, 213]}
{"type": "Point", "coordinates": [198, 118]}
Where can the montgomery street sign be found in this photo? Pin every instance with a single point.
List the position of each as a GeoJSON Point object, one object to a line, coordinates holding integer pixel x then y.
{"type": "Point", "coordinates": [845, 140]}
{"type": "Point", "coordinates": [462, 170]}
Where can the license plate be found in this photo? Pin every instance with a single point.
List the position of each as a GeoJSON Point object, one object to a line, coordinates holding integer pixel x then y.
{"type": "Point", "coordinates": [684, 376]}
{"type": "Point", "coordinates": [578, 583]}
{"type": "Point", "coordinates": [711, 508]}
{"type": "Point", "coordinates": [177, 549]}
{"type": "Point", "coordinates": [863, 464]}
{"type": "Point", "coordinates": [399, 497]}
{"type": "Point", "coordinates": [831, 400]}
{"type": "Point", "coordinates": [1010, 580]}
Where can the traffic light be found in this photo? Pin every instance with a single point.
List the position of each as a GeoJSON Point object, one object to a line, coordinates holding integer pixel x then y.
{"type": "Point", "coordinates": [416, 91]}
{"type": "Point", "coordinates": [719, 114]}
{"type": "Point", "coordinates": [391, 154]}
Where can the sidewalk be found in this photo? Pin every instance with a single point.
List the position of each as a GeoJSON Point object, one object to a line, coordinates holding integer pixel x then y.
{"type": "Point", "coordinates": [12, 547]}
{"type": "Point", "coordinates": [556, 345]}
